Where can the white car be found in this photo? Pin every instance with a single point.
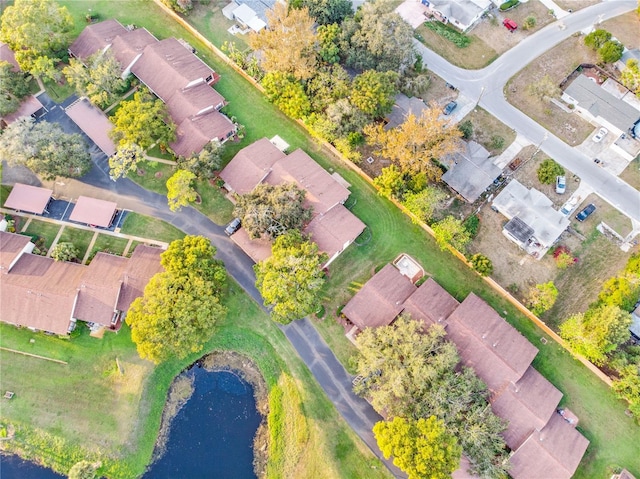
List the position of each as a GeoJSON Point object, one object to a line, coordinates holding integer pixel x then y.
{"type": "Point", "coordinates": [602, 132]}
{"type": "Point", "coordinates": [561, 184]}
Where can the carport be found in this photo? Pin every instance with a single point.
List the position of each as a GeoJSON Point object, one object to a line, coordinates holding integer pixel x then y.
{"type": "Point", "coordinates": [93, 212]}
{"type": "Point", "coordinates": [94, 123]}
{"type": "Point", "coordinates": [27, 198]}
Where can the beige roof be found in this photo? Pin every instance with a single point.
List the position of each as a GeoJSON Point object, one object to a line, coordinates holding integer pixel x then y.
{"type": "Point", "coordinates": [497, 352]}
{"type": "Point", "coordinates": [100, 289]}
{"type": "Point", "coordinates": [334, 230]}
{"type": "Point", "coordinates": [96, 37]}
{"type": "Point", "coordinates": [323, 191]}
{"type": "Point", "coordinates": [141, 267]}
{"type": "Point", "coordinates": [197, 100]}
{"type": "Point", "coordinates": [40, 293]}
{"type": "Point", "coordinates": [553, 452]}
{"type": "Point", "coordinates": [624, 474]}
{"type": "Point", "coordinates": [527, 405]}
{"type": "Point", "coordinates": [250, 166]}
{"type": "Point", "coordinates": [431, 304]}
{"type": "Point", "coordinates": [28, 107]}
{"type": "Point", "coordinates": [7, 55]}
{"type": "Point", "coordinates": [167, 66]}
{"type": "Point", "coordinates": [31, 199]}
{"type": "Point", "coordinates": [11, 245]}
{"type": "Point", "coordinates": [93, 211]}
{"type": "Point", "coordinates": [257, 249]}
{"type": "Point", "coordinates": [127, 46]}
{"type": "Point", "coordinates": [380, 300]}
{"type": "Point", "coordinates": [94, 123]}
{"type": "Point", "coordinates": [195, 132]}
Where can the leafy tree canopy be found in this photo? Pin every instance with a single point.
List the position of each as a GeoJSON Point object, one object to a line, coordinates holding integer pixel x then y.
{"type": "Point", "coordinates": [36, 29]}
{"type": "Point", "coordinates": [331, 83]}
{"type": "Point", "coordinates": [125, 160]}
{"type": "Point", "coordinates": [195, 256]}
{"type": "Point", "coordinates": [548, 170]}
{"type": "Point", "coordinates": [611, 51]}
{"type": "Point", "coordinates": [630, 76]}
{"type": "Point", "coordinates": [481, 264]}
{"type": "Point", "coordinates": [288, 44]}
{"type": "Point", "coordinates": [143, 120]}
{"type": "Point", "coordinates": [100, 80]}
{"type": "Point", "coordinates": [425, 203]}
{"type": "Point", "coordinates": [203, 164]}
{"type": "Point", "coordinates": [597, 38]}
{"type": "Point", "coordinates": [417, 143]}
{"type": "Point", "coordinates": [290, 280]}
{"type": "Point", "coordinates": [421, 448]}
{"type": "Point", "coordinates": [14, 88]}
{"type": "Point", "coordinates": [374, 92]}
{"type": "Point", "coordinates": [45, 149]}
{"type": "Point", "coordinates": [542, 297]}
{"type": "Point", "coordinates": [326, 11]}
{"type": "Point", "coordinates": [286, 93]}
{"type": "Point", "coordinates": [180, 190]}
{"type": "Point", "coordinates": [64, 252]}
{"type": "Point", "coordinates": [451, 231]}
{"type": "Point", "coordinates": [272, 210]}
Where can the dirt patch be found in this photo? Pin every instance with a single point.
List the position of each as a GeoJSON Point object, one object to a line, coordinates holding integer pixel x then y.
{"type": "Point", "coordinates": [575, 5]}
{"type": "Point", "coordinates": [625, 28]}
{"type": "Point", "coordinates": [558, 63]}
{"type": "Point", "coordinates": [487, 130]}
{"type": "Point", "coordinates": [182, 388]}
{"type": "Point", "coordinates": [631, 173]}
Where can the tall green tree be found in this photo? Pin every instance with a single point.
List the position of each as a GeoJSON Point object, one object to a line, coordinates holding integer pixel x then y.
{"type": "Point", "coordinates": [597, 332]}
{"type": "Point", "coordinates": [597, 38]}
{"type": "Point", "coordinates": [36, 30]}
{"type": "Point", "coordinates": [326, 12]}
{"type": "Point", "coordinates": [180, 306]}
{"type": "Point", "coordinates": [611, 51]}
{"type": "Point", "coordinates": [144, 120]}
{"type": "Point", "coordinates": [422, 448]}
{"type": "Point", "coordinates": [374, 92]}
{"type": "Point", "coordinates": [287, 94]}
{"type": "Point", "coordinates": [425, 202]}
{"type": "Point", "coordinates": [203, 164]}
{"type": "Point", "coordinates": [180, 190]}
{"type": "Point", "coordinates": [290, 280]}
{"type": "Point", "coordinates": [630, 76]}
{"type": "Point", "coordinates": [272, 210]}
{"type": "Point", "coordinates": [101, 80]}
{"type": "Point", "coordinates": [125, 160]}
{"type": "Point", "coordinates": [542, 297]}
{"type": "Point", "coordinates": [627, 387]}
{"type": "Point", "coordinates": [451, 231]}
{"type": "Point", "coordinates": [622, 291]}
{"type": "Point", "coordinates": [548, 170]}
{"type": "Point", "coordinates": [14, 88]}
{"type": "Point", "coordinates": [45, 149]}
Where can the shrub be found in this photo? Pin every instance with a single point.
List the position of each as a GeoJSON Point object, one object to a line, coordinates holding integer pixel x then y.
{"type": "Point", "coordinates": [548, 170]}
{"type": "Point", "coordinates": [472, 224]}
{"type": "Point", "coordinates": [467, 129]}
{"type": "Point", "coordinates": [611, 51]}
{"type": "Point", "coordinates": [497, 142]}
{"type": "Point", "coordinates": [64, 252]}
{"type": "Point", "coordinates": [529, 23]}
{"type": "Point", "coordinates": [459, 39]}
{"type": "Point", "coordinates": [563, 257]}
{"type": "Point", "coordinates": [542, 297]}
{"type": "Point", "coordinates": [481, 264]}
{"type": "Point", "coordinates": [509, 4]}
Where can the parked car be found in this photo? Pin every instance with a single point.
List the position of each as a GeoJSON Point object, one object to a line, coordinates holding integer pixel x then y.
{"type": "Point", "coordinates": [602, 132]}
{"type": "Point", "coordinates": [561, 184]}
{"type": "Point", "coordinates": [569, 206]}
{"type": "Point", "coordinates": [233, 226]}
{"type": "Point", "coordinates": [586, 212]}
{"type": "Point", "coordinates": [449, 107]}
{"type": "Point", "coordinates": [510, 24]}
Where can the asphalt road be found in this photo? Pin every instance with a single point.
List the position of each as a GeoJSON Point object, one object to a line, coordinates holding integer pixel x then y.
{"type": "Point", "coordinates": [486, 87]}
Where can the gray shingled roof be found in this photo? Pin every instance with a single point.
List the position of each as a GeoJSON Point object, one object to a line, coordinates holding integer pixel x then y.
{"type": "Point", "coordinates": [472, 171]}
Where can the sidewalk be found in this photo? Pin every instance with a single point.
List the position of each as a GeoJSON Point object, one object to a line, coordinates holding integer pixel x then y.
{"type": "Point", "coordinates": [510, 153]}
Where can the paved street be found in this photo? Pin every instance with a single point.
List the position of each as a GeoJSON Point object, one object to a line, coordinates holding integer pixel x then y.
{"type": "Point", "coordinates": [487, 87]}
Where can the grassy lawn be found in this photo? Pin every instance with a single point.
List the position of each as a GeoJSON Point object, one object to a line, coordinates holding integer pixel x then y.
{"type": "Point", "coordinates": [393, 233]}
{"type": "Point", "coordinates": [79, 238]}
{"type": "Point", "coordinates": [209, 21]}
{"type": "Point", "coordinates": [46, 231]}
{"type": "Point", "coordinates": [4, 193]}
{"type": "Point", "coordinates": [153, 176]}
{"type": "Point", "coordinates": [489, 131]}
{"type": "Point", "coordinates": [143, 226]}
{"type": "Point", "coordinates": [128, 412]}
{"type": "Point", "coordinates": [110, 244]}
{"type": "Point", "coordinates": [58, 91]}
{"type": "Point", "coordinates": [156, 152]}
{"type": "Point", "coordinates": [631, 173]}
{"type": "Point", "coordinates": [477, 54]}
{"type": "Point", "coordinates": [214, 203]}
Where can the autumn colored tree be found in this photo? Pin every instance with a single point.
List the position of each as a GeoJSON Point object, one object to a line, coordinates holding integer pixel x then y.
{"type": "Point", "coordinates": [144, 120]}
{"type": "Point", "coordinates": [630, 76]}
{"type": "Point", "coordinates": [180, 190]}
{"type": "Point", "coordinates": [179, 308]}
{"type": "Point", "coordinates": [542, 297]}
{"type": "Point", "coordinates": [451, 231]}
{"type": "Point", "coordinates": [597, 332]}
{"type": "Point", "coordinates": [418, 143]}
{"type": "Point", "coordinates": [290, 280]}
{"type": "Point", "coordinates": [288, 44]}
{"type": "Point", "coordinates": [287, 94]}
{"type": "Point", "coordinates": [38, 32]}
{"type": "Point", "coordinates": [374, 92]}
{"type": "Point", "coordinates": [390, 182]}
{"type": "Point", "coordinates": [101, 80]}
{"type": "Point", "coordinates": [422, 448]}
{"type": "Point", "coordinates": [125, 160]}
{"type": "Point", "coordinates": [563, 257]}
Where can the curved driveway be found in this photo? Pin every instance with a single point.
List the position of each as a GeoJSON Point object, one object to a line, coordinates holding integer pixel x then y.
{"type": "Point", "coordinates": [486, 87]}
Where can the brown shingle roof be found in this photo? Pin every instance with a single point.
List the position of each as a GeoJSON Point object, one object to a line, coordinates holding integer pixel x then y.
{"type": "Point", "coordinates": [93, 211]}
{"type": "Point", "coordinates": [167, 66]}
{"type": "Point", "coordinates": [7, 55]}
{"type": "Point", "coordinates": [380, 300]}
{"type": "Point", "coordinates": [31, 199]}
{"type": "Point", "coordinates": [141, 267]}
{"type": "Point", "coordinates": [100, 289]}
{"type": "Point", "coordinates": [195, 132]}
{"type": "Point", "coordinates": [334, 230]}
{"type": "Point", "coordinates": [497, 352]}
{"type": "Point", "coordinates": [553, 452]}
{"type": "Point", "coordinates": [127, 46]}
{"type": "Point", "coordinates": [431, 304]}
{"type": "Point", "coordinates": [527, 405]}
{"type": "Point", "coordinates": [323, 191]}
{"type": "Point", "coordinates": [197, 100]}
{"type": "Point", "coordinates": [257, 249]}
{"type": "Point", "coordinates": [250, 166]}
{"type": "Point", "coordinates": [96, 37]}
{"type": "Point", "coordinates": [40, 293]}
{"type": "Point", "coordinates": [94, 123]}
{"type": "Point", "coordinates": [11, 246]}
{"type": "Point", "coordinates": [28, 106]}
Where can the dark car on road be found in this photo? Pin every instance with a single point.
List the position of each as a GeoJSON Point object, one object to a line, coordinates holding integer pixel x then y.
{"type": "Point", "coordinates": [449, 107]}
{"type": "Point", "coordinates": [233, 226]}
{"type": "Point", "coordinates": [586, 212]}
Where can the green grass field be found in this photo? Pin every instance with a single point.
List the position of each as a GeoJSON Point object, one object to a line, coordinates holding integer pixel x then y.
{"type": "Point", "coordinates": [46, 231]}
{"type": "Point", "coordinates": [143, 226]}
{"type": "Point", "coordinates": [111, 244]}
{"type": "Point", "coordinates": [79, 238]}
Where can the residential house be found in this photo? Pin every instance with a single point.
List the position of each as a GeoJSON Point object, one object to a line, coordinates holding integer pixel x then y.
{"type": "Point", "coordinates": [403, 107]}
{"type": "Point", "coordinates": [332, 226]}
{"type": "Point", "coordinates": [543, 442]}
{"type": "Point", "coordinates": [461, 13]}
{"type": "Point", "coordinates": [46, 295]}
{"type": "Point", "coordinates": [7, 55]}
{"type": "Point", "coordinates": [470, 171]}
{"type": "Point", "coordinates": [172, 71]}
{"type": "Point", "coordinates": [251, 15]}
{"type": "Point", "coordinates": [635, 324]}
{"type": "Point", "coordinates": [534, 224]}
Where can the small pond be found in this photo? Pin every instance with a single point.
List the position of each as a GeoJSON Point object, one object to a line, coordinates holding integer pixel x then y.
{"type": "Point", "coordinates": [12, 467]}
{"type": "Point", "coordinates": [212, 435]}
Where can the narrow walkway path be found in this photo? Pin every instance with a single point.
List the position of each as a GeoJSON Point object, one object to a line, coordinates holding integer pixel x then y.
{"type": "Point", "coordinates": [26, 225]}
{"type": "Point", "coordinates": [55, 241]}
{"type": "Point", "coordinates": [126, 248]}
{"type": "Point", "coordinates": [90, 247]}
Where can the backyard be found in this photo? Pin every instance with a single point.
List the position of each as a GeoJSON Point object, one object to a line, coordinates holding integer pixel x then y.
{"type": "Point", "coordinates": [391, 233]}
{"type": "Point", "coordinates": [490, 132]}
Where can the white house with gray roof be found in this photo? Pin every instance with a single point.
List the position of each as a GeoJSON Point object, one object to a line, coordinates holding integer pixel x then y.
{"type": "Point", "coordinates": [471, 171]}
{"type": "Point", "coordinates": [461, 13]}
{"type": "Point", "coordinates": [598, 105]}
